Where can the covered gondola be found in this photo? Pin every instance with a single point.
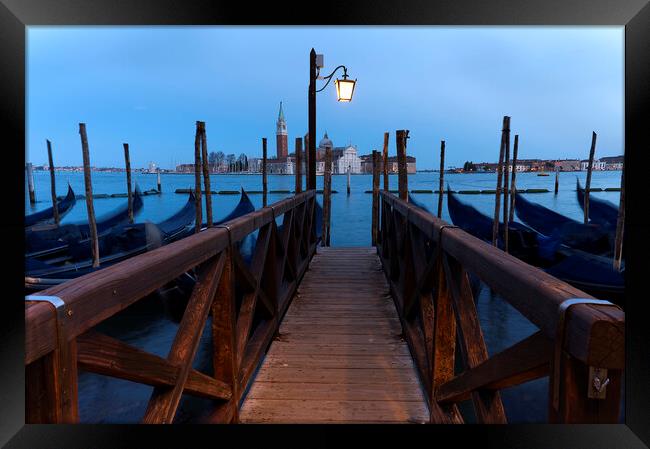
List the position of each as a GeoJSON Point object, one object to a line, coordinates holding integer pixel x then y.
{"type": "Point", "coordinates": [46, 216]}
{"type": "Point", "coordinates": [589, 272]}
{"type": "Point", "coordinates": [600, 211]}
{"type": "Point", "coordinates": [522, 240]}
{"type": "Point", "coordinates": [592, 238]}
{"type": "Point", "coordinates": [121, 243]}
{"type": "Point", "coordinates": [47, 242]}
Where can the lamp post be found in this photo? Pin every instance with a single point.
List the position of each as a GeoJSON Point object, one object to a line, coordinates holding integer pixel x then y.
{"type": "Point", "coordinates": [344, 92]}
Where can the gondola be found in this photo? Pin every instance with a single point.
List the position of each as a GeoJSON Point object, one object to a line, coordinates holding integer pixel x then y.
{"type": "Point", "coordinates": [121, 243]}
{"type": "Point", "coordinates": [47, 215]}
{"type": "Point", "coordinates": [600, 211]}
{"type": "Point", "coordinates": [522, 240]}
{"type": "Point", "coordinates": [47, 242]}
{"type": "Point", "coordinates": [591, 273]}
{"type": "Point", "coordinates": [592, 238]}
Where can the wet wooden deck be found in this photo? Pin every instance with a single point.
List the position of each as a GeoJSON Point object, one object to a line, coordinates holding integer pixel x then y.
{"type": "Point", "coordinates": [339, 357]}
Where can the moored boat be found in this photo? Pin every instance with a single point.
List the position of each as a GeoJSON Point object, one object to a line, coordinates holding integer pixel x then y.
{"type": "Point", "coordinates": [47, 215]}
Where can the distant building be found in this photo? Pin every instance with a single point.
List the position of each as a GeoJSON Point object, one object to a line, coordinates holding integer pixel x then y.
{"type": "Point", "coordinates": [185, 168]}
{"type": "Point", "coordinates": [567, 164]}
{"type": "Point", "coordinates": [598, 164]}
{"type": "Point", "coordinates": [613, 162]}
{"type": "Point", "coordinates": [281, 137]}
{"type": "Point", "coordinates": [342, 158]}
{"type": "Point", "coordinates": [152, 168]}
{"type": "Point", "coordinates": [366, 164]}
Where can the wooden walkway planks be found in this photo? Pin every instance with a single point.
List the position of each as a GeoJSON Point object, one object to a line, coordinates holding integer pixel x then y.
{"type": "Point", "coordinates": [339, 356]}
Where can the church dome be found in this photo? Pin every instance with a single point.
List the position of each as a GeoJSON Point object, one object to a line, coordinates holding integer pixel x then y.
{"type": "Point", "coordinates": [325, 142]}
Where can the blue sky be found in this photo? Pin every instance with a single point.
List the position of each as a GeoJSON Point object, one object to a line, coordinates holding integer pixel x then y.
{"type": "Point", "coordinates": [148, 85]}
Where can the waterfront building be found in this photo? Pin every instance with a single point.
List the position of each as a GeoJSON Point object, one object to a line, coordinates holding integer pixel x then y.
{"type": "Point", "coordinates": [567, 164]}
{"type": "Point", "coordinates": [366, 164]}
{"type": "Point", "coordinates": [598, 164]}
{"type": "Point", "coordinates": [612, 162]}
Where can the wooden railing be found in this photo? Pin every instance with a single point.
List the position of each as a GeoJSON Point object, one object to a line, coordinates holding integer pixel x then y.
{"type": "Point", "coordinates": [60, 340]}
{"type": "Point", "coordinates": [580, 346]}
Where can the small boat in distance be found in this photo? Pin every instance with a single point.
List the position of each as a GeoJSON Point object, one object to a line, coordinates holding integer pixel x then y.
{"type": "Point", "coordinates": [47, 215]}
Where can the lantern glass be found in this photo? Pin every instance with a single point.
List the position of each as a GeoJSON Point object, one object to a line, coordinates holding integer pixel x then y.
{"type": "Point", "coordinates": [345, 89]}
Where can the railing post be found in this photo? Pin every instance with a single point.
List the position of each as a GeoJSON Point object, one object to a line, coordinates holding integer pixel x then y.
{"type": "Point", "coordinates": [585, 392]}
{"type": "Point", "coordinates": [51, 387]}
{"type": "Point", "coordinates": [375, 196]}
{"type": "Point", "coordinates": [224, 327]}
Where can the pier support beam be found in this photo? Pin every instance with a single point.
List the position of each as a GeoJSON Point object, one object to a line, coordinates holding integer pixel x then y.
{"type": "Point", "coordinates": [590, 167]}
{"type": "Point", "coordinates": [30, 182]}
{"type": "Point", "coordinates": [206, 174]}
{"type": "Point", "coordinates": [264, 187]}
{"type": "Point", "coordinates": [513, 188]}
{"type": "Point", "coordinates": [442, 176]}
{"type": "Point", "coordinates": [127, 162]}
{"type": "Point", "coordinates": [375, 196]}
{"type": "Point", "coordinates": [55, 207]}
{"type": "Point", "coordinates": [89, 195]}
{"type": "Point", "coordinates": [385, 161]}
{"type": "Point", "coordinates": [298, 165]}
{"type": "Point", "coordinates": [401, 136]}
{"type": "Point", "coordinates": [497, 200]}
{"type": "Point", "coordinates": [327, 196]}
{"type": "Point", "coordinates": [197, 179]}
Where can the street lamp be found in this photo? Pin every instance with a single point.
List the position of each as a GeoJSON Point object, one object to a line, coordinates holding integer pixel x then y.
{"type": "Point", "coordinates": [344, 92]}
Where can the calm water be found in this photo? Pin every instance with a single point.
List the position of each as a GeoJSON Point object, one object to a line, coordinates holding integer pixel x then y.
{"type": "Point", "coordinates": [104, 399]}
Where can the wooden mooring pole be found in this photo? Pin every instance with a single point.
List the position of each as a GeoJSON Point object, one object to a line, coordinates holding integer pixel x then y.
{"type": "Point", "coordinates": [307, 166]}
{"type": "Point", "coordinates": [506, 172]}
{"type": "Point", "coordinates": [89, 195]}
{"type": "Point", "coordinates": [298, 165]}
{"type": "Point", "coordinates": [375, 195]}
{"type": "Point", "coordinates": [129, 195]}
{"type": "Point", "coordinates": [158, 183]}
{"type": "Point", "coordinates": [441, 188]}
{"type": "Point", "coordinates": [30, 182]}
{"type": "Point", "coordinates": [557, 179]}
{"type": "Point", "coordinates": [55, 206]}
{"type": "Point", "coordinates": [327, 196]}
{"type": "Point", "coordinates": [402, 181]}
{"type": "Point", "coordinates": [264, 187]}
{"type": "Point", "coordinates": [497, 200]}
{"type": "Point", "coordinates": [197, 179]}
{"type": "Point", "coordinates": [348, 180]}
{"type": "Point", "coordinates": [620, 224]}
{"type": "Point", "coordinates": [206, 174]}
{"type": "Point", "coordinates": [385, 161]}
{"type": "Point", "coordinates": [590, 167]}
{"type": "Point", "coordinates": [513, 187]}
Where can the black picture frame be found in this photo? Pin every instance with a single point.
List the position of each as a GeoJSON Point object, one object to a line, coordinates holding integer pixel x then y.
{"type": "Point", "coordinates": [16, 15]}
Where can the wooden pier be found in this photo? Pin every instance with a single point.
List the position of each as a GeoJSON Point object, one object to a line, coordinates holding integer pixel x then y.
{"type": "Point", "coordinates": [382, 334]}
{"type": "Point", "coordinates": [339, 356]}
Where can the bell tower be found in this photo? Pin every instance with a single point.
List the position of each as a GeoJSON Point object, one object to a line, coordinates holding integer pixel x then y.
{"type": "Point", "coordinates": [281, 139]}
